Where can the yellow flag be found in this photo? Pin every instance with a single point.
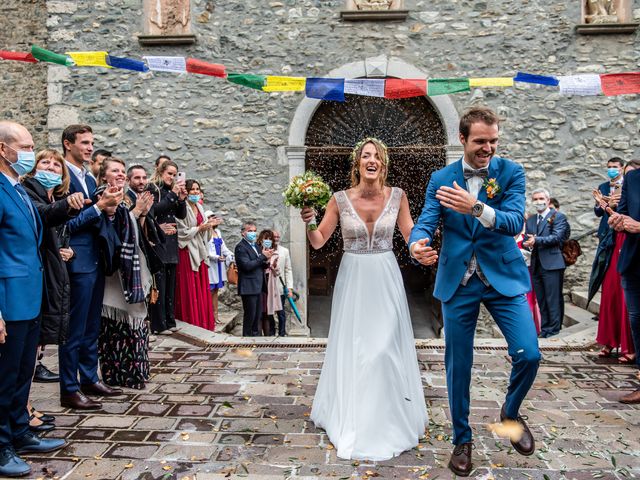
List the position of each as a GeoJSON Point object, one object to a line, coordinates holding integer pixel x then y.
{"type": "Point", "coordinates": [284, 84]}
{"type": "Point", "coordinates": [491, 82]}
{"type": "Point", "coordinates": [89, 59]}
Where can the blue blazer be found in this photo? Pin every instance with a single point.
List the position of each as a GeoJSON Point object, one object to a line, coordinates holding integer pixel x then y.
{"type": "Point", "coordinates": [605, 189]}
{"type": "Point", "coordinates": [21, 271]}
{"type": "Point", "coordinates": [462, 235]}
{"type": "Point", "coordinates": [629, 260]}
{"type": "Point", "coordinates": [251, 265]}
{"type": "Point", "coordinates": [84, 230]}
{"type": "Point", "coordinates": [550, 234]}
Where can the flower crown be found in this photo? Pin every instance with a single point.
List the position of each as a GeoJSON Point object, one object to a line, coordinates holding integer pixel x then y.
{"type": "Point", "coordinates": [366, 140]}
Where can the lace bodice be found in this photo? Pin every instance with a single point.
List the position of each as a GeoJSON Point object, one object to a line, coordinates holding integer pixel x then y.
{"type": "Point", "coordinates": [355, 234]}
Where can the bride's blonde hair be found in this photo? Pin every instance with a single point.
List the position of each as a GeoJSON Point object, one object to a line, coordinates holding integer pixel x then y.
{"type": "Point", "coordinates": [356, 153]}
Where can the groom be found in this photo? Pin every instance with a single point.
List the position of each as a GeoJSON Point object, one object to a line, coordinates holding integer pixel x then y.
{"type": "Point", "coordinates": [481, 201]}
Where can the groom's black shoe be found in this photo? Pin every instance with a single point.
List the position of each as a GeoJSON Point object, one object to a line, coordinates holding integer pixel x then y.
{"type": "Point", "coordinates": [526, 445]}
{"type": "Point", "coordinates": [460, 462]}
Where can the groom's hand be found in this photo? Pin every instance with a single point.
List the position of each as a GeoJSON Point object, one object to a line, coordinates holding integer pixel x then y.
{"type": "Point", "coordinates": [456, 198]}
{"type": "Point", "coordinates": [424, 254]}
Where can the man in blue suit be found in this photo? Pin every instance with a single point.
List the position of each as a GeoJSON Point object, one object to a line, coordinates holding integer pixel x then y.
{"type": "Point", "coordinates": [21, 291]}
{"type": "Point", "coordinates": [544, 235]}
{"type": "Point", "coordinates": [80, 354]}
{"type": "Point", "coordinates": [480, 200]}
{"type": "Point", "coordinates": [610, 190]}
{"type": "Point", "coordinates": [627, 219]}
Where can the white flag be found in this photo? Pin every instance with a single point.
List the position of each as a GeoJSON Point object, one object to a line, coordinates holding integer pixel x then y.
{"type": "Point", "coordinates": [371, 87]}
{"type": "Point", "coordinates": [167, 64]}
{"type": "Point", "coordinates": [588, 84]}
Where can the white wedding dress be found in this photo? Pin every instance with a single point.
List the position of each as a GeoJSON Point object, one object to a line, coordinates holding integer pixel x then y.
{"type": "Point", "coordinates": [369, 398]}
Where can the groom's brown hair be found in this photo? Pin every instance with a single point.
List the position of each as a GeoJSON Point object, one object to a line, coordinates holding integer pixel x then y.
{"type": "Point", "coordinates": [477, 114]}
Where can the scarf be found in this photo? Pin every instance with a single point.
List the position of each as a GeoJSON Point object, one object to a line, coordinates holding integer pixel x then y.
{"type": "Point", "coordinates": [129, 259]}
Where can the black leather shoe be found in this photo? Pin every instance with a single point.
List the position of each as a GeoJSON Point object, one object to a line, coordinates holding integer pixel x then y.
{"type": "Point", "coordinates": [42, 428]}
{"type": "Point", "coordinates": [44, 375]}
{"type": "Point", "coordinates": [460, 461]}
{"type": "Point", "coordinates": [30, 442]}
{"type": "Point", "coordinates": [78, 401]}
{"type": "Point", "coordinates": [100, 389]}
{"type": "Point", "coordinates": [11, 465]}
{"type": "Point", "coordinates": [526, 445]}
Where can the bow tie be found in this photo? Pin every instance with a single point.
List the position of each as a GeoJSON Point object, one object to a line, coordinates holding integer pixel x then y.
{"type": "Point", "coordinates": [480, 172]}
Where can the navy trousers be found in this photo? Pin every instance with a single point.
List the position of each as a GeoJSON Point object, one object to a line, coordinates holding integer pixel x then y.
{"type": "Point", "coordinates": [17, 361]}
{"type": "Point", "coordinates": [80, 353]}
{"type": "Point", "coordinates": [548, 287]}
{"type": "Point", "coordinates": [513, 317]}
{"type": "Point", "coordinates": [631, 288]}
{"type": "Point", "coordinates": [252, 315]}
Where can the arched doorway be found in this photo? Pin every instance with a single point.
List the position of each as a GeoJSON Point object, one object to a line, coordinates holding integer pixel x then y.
{"type": "Point", "coordinates": [417, 142]}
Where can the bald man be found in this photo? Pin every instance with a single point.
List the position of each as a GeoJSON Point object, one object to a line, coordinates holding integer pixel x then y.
{"type": "Point", "coordinates": [21, 289]}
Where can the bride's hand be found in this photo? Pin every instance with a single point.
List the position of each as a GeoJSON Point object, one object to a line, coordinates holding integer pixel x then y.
{"type": "Point", "coordinates": [307, 214]}
{"type": "Point", "coordinates": [424, 254]}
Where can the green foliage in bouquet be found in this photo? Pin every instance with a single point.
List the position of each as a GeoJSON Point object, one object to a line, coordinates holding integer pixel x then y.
{"type": "Point", "coordinates": [307, 190]}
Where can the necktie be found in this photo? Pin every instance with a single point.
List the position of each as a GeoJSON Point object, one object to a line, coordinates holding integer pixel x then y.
{"type": "Point", "coordinates": [26, 200]}
{"type": "Point", "coordinates": [539, 219]}
{"type": "Point", "coordinates": [472, 172]}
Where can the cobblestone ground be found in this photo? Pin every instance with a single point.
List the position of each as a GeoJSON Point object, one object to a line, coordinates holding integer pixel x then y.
{"type": "Point", "coordinates": [216, 412]}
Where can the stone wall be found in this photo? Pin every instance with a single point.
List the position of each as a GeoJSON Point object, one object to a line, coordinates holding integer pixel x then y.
{"type": "Point", "coordinates": [23, 86]}
{"type": "Point", "coordinates": [227, 136]}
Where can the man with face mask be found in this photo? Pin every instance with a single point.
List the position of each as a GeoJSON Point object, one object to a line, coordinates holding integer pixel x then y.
{"type": "Point", "coordinates": [609, 191]}
{"type": "Point", "coordinates": [21, 290]}
{"type": "Point", "coordinates": [251, 260]}
{"type": "Point", "coordinates": [545, 233]}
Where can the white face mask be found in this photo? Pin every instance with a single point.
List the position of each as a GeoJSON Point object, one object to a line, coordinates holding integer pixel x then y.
{"type": "Point", "coordinates": [540, 206]}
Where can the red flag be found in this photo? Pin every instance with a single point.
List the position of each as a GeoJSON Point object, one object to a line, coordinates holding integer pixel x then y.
{"type": "Point", "coordinates": [19, 56]}
{"type": "Point", "coordinates": [403, 88]}
{"type": "Point", "coordinates": [620, 83]}
{"type": "Point", "coordinates": [205, 68]}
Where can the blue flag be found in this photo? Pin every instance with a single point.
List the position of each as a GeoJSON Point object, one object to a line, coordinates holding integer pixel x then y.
{"type": "Point", "coordinates": [539, 79]}
{"type": "Point", "coordinates": [127, 63]}
{"type": "Point", "coordinates": [325, 88]}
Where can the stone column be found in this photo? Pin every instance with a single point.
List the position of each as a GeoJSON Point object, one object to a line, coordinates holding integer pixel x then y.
{"type": "Point", "coordinates": [298, 245]}
{"type": "Point", "coordinates": [454, 152]}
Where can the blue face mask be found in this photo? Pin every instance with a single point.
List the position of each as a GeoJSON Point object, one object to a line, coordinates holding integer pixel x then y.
{"type": "Point", "coordinates": [267, 243]}
{"type": "Point", "coordinates": [26, 162]}
{"type": "Point", "coordinates": [613, 172]}
{"type": "Point", "coordinates": [251, 237]}
{"type": "Point", "coordinates": [48, 179]}
{"type": "Point", "coordinates": [194, 198]}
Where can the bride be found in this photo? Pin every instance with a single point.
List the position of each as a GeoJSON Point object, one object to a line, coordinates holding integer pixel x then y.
{"type": "Point", "coordinates": [369, 397]}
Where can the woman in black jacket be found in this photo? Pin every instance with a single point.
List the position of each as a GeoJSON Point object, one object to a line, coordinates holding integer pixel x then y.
{"type": "Point", "coordinates": [48, 187]}
{"type": "Point", "coordinates": [169, 204]}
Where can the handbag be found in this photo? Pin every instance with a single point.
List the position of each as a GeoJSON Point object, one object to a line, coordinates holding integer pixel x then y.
{"type": "Point", "coordinates": [232, 274]}
{"type": "Point", "coordinates": [571, 251]}
{"type": "Point", "coordinates": [153, 293]}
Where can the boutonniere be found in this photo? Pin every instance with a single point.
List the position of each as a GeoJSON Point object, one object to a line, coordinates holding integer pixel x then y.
{"type": "Point", "coordinates": [492, 187]}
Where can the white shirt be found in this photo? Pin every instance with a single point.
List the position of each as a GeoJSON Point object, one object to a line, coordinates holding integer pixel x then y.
{"type": "Point", "coordinates": [544, 215]}
{"type": "Point", "coordinates": [474, 184]}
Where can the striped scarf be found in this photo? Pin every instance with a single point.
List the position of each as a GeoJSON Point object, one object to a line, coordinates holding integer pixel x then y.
{"type": "Point", "coordinates": [129, 259]}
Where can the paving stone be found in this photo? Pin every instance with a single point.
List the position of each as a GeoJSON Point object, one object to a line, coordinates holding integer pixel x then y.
{"type": "Point", "coordinates": [84, 449]}
{"type": "Point", "coordinates": [132, 450]}
{"type": "Point", "coordinates": [113, 421]}
{"type": "Point", "coordinates": [193, 453]}
{"type": "Point", "coordinates": [220, 389]}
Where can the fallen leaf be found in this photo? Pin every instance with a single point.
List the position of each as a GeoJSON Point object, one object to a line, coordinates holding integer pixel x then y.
{"type": "Point", "coordinates": [129, 465]}
{"type": "Point", "coordinates": [508, 429]}
{"type": "Point", "coordinates": [243, 352]}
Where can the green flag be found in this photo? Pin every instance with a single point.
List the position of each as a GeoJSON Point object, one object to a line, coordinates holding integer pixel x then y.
{"type": "Point", "coordinates": [51, 57]}
{"type": "Point", "coordinates": [444, 86]}
{"type": "Point", "coordinates": [248, 80]}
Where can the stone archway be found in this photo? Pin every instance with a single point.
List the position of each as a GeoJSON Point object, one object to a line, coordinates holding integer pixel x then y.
{"type": "Point", "coordinates": [296, 154]}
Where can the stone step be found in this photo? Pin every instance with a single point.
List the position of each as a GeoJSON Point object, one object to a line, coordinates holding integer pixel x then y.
{"type": "Point", "coordinates": [579, 298]}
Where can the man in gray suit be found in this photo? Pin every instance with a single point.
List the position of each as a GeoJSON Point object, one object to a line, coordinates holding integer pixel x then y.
{"type": "Point", "coordinates": [545, 233]}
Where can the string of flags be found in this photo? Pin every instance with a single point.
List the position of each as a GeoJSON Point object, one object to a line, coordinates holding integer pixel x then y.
{"type": "Point", "coordinates": [335, 88]}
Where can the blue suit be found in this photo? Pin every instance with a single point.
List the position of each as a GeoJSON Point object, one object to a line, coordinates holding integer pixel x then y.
{"type": "Point", "coordinates": [80, 353]}
{"type": "Point", "coordinates": [21, 290]}
{"type": "Point", "coordinates": [603, 227]}
{"type": "Point", "coordinates": [629, 260]}
{"type": "Point", "coordinates": [547, 267]}
{"type": "Point", "coordinates": [251, 283]}
{"type": "Point", "coordinates": [502, 264]}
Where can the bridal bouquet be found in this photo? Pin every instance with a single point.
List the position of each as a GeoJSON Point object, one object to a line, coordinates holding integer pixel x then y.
{"type": "Point", "coordinates": [307, 190]}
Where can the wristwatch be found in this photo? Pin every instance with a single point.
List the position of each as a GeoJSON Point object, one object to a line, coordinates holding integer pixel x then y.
{"type": "Point", "coordinates": [477, 209]}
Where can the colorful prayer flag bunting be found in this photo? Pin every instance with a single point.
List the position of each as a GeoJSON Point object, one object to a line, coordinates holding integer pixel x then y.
{"type": "Point", "coordinates": [405, 88]}
{"type": "Point", "coordinates": [539, 79]}
{"type": "Point", "coordinates": [48, 56]}
{"type": "Point", "coordinates": [491, 82]}
{"type": "Point", "coordinates": [587, 84]}
{"type": "Point", "coordinates": [284, 84]}
{"type": "Point", "coordinates": [89, 59]}
{"type": "Point", "coordinates": [127, 63]}
{"type": "Point", "coordinates": [167, 64]}
{"type": "Point", "coordinates": [370, 87]}
{"type": "Point", "coordinates": [325, 88]}
{"type": "Point", "coordinates": [248, 80]}
{"type": "Point", "coordinates": [620, 83]}
{"type": "Point", "coordinates": [19, 56]}
{"type": "Point", "coordinates": [204, 68]}
{"type": "Point", "coordinates": [445, 86]}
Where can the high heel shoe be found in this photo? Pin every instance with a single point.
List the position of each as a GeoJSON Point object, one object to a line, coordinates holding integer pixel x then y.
{"type": "Point", "coordinates": [606, 352]}
{"type": "Point", "coordinates": [38, 426]}
{"type": "Point", "coordinates": [41, 416]}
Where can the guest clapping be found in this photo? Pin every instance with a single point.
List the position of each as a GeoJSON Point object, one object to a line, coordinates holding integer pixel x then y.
{"type": "Point", "coordinates": [219, 257]}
